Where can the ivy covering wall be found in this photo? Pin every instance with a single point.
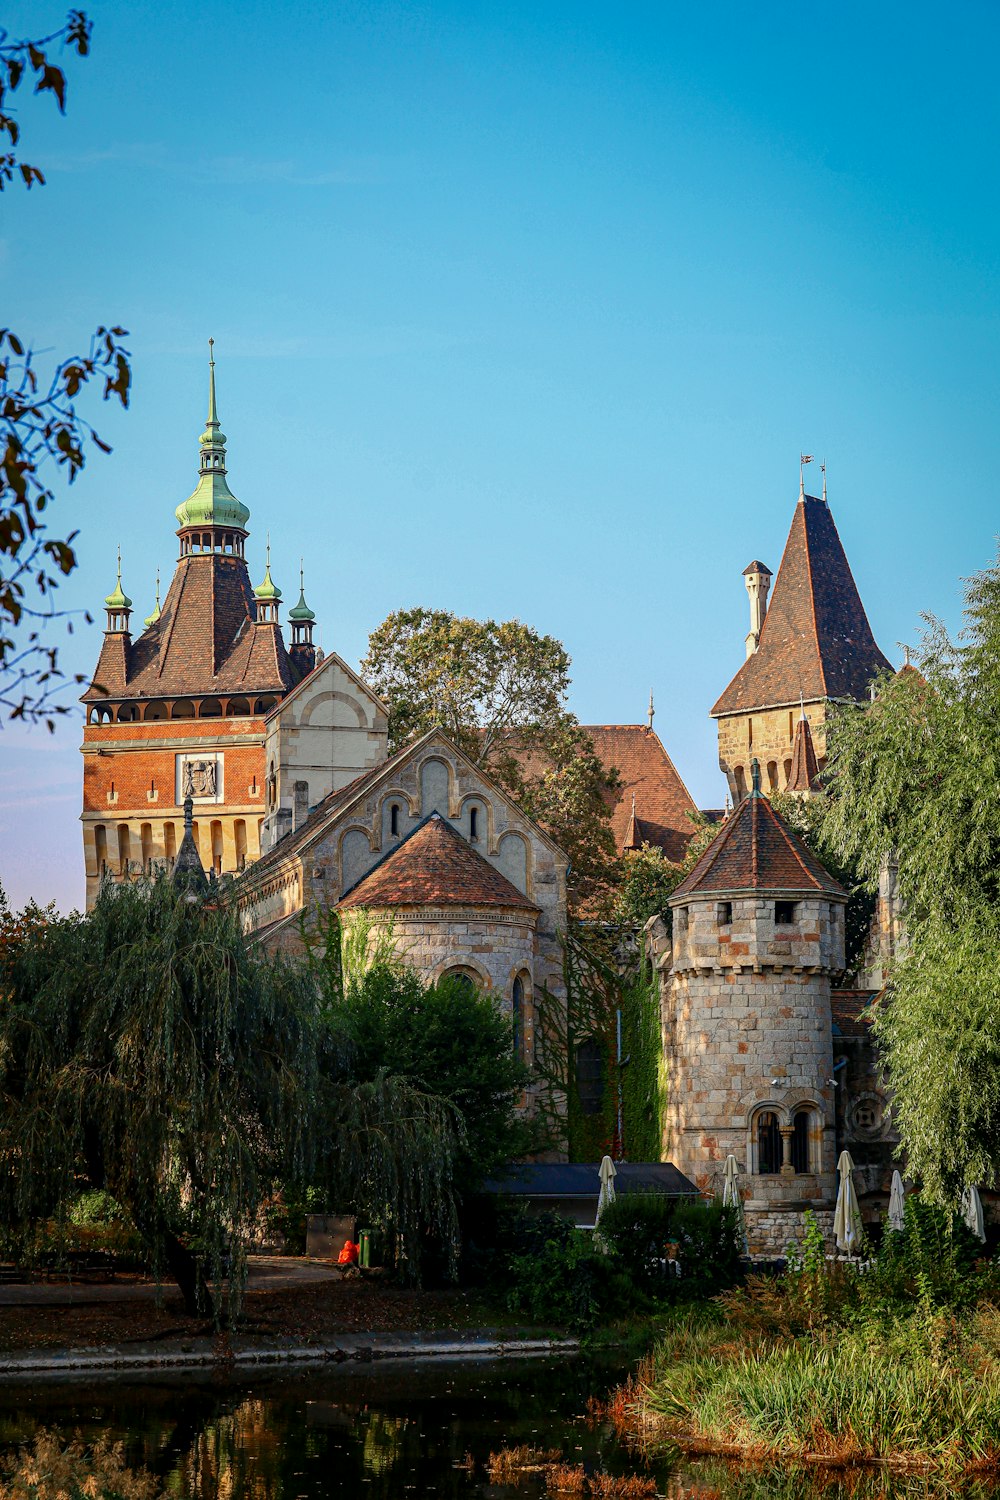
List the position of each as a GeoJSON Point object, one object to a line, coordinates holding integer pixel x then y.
{"type": "Point", "coordinates": [612, 1107]}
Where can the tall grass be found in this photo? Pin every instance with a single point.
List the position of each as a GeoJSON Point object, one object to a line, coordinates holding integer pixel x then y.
{"type": "Point", "coordinates": [920, 1397]}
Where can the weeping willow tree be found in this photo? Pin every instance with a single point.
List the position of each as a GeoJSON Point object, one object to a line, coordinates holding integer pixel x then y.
{"type": "Point", "coordinates": [147, 1050]}
{"type": "Point", "coordinates": [144, 1051]}
{"type": "Point", "coordinates": [914, 777]}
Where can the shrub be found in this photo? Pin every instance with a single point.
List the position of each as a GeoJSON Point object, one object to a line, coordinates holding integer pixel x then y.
{"type": "Point", "coordinates": [560, 1277]}
{"type": "Point", "coordinates": [96, 1207]}
{"type": "Point", "coordinates": [705, 1240]}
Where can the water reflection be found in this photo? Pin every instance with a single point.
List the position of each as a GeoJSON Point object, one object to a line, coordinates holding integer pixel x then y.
{"type": "Point", "coordinates": [396, 1432]}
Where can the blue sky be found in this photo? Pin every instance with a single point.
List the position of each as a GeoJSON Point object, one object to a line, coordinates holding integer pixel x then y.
{"type": "Point", "coordinates": [522, 310]}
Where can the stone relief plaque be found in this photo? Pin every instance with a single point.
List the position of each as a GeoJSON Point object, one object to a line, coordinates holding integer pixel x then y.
{"type": "Point", "coordinates": [199, 777]}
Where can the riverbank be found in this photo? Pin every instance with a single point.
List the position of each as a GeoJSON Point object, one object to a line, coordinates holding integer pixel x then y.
{"type": "Point", "coordinates": [295, 1313]}
{"type": "Point", "coordinates": [911, 1393]}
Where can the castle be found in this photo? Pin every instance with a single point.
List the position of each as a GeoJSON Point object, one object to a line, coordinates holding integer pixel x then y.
{"type": "Point", "coordinates": [283, 753]}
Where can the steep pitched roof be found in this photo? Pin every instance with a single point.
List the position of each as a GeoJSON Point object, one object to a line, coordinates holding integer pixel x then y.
{"type": "Point", "coordinates": [662, 801]}
{"type": "Point", "coordinates": [434, 866]}
{"type": "Point", "coordinates": [805, 766]}
{"type": "Point", "coordinates": [852, 1011]}
{"type": "Point", "coordinates": [205, 639]}
{"type": "Point", "coordinates": [757, 851]}
{"type": "Point", "coordinates": [816, 641]}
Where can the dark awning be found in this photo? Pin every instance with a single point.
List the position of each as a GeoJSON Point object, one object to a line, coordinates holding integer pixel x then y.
{"type": "Point", "coordinates": [582, 1180]}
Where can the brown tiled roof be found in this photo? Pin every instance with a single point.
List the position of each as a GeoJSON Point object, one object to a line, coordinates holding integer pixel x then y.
{"type": "Point", "coordinates": [434, 866]}
{"type": "Point", "coordinates": [757, 851]}
{"type": "Point", "coordinates": [205, 640]}
{"type": "Point", "coordinates": [805, 766]}
{"type": "Point", "coordinates": [816, 641]}
{"type": "Point", "coordinates": [849, 1011]}
{"type": "Point", "coordinates": [662, 801]}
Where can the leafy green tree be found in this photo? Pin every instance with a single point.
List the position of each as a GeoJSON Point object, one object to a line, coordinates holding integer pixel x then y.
{"type": "Point", "coordinates": [913, 776]}
{"type": "Point", "coordinates": [499, 691]}
{"type": "Point", "coordinates": [448, 1040]}
{"type": "Point", "coordinates": [40, 422]}
{"type": "Point", "coordinates": [810, 818]}
{"type": "Point", "coordinates": [648, 879]}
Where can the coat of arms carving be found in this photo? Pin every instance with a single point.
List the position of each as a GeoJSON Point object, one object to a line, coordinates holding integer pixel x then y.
{"type": "Point", "coordinates": [199, 779]}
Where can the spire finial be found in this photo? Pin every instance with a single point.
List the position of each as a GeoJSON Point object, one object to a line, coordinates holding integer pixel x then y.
{"type": "Point", "coordinates": [119, 564]}
{"type": "Point", "coordinates": [802, 705]}
{"type": "Point", "coordinates": [152, 619]}
{"type": "Point", "coordinates": [650, 720]}
{"type": "Point", "coordinates": [804, 458]}
{"type": "Point", "coordinates": [302, 575]}
{"type": "Point", "coordinates": [267, 553]}
{"type": "Point", "coordinates": [755, 777]}
{"type": "Point", "coordinates": [906, 655]}
{"type": "Point", "coordinates": [213, 418]}
{"type": "Point", "coordinates": [823, 467]}
{"type": "Point", "coordinates": [633, 804]}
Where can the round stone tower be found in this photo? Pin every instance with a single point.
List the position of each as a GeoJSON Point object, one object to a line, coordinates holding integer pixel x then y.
{"type": "Point", "coordinates": [758, 937]}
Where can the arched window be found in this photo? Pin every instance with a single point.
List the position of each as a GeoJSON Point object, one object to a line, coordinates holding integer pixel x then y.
{"type": "Point", "coordinates": [788, 771]}
{"type": "Point", "coordinates": [101, 848]}
{"type": "Point", "coordinates": [169, 842]}
{"type": "Point", "coordinates": [517, 1016]}
{"type": "Point", "coordinates": [740, 777]}
{"type": "Point", "coordinates": [238, 708]}
{"type": "Point", "coordinates": [463, 978]}
{"type": "Point", "coordinates": [183, 708]}
{"type": "Point", "coordinates": [802, 1123]}
{"type": "Point", "coordinates": [394, 820]}
{"type": "Point", "coordinates": [772, 775]}
{"type": "Point", "coordinates": [211, 708]}
{"type": "Point", "coordinates": [768, 1143]}
{"type": "Point", "coordinates": [128, 713]}
{"type": "Point", "coordinates": [590, 1075]}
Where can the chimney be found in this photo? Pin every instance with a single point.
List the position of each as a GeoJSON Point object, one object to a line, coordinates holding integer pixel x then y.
{"type": "Point", "coordinates": [757, 577]}
{"type": "Point", "coordinates": [301, 809]}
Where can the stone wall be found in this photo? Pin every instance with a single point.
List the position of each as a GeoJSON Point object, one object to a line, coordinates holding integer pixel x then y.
{"type": "Point", "coordinates": [323, 735]}
{"type": "Point", "coordinates": [766, 735]}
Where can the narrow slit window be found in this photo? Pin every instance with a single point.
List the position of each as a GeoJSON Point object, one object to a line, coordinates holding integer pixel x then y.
{"type": "Point", "coordinates": [474, 823]}
{"type": "Point", "coordinates": [394, 820]}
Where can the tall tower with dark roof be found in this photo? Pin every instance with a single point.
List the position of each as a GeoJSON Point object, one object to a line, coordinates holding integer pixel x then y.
{"type": "Point", "coordinates": [758, 940]}
{"type": "Point", "coordinates": [812, 646]}
{"type": "Point", "coordinates": [179, 710]}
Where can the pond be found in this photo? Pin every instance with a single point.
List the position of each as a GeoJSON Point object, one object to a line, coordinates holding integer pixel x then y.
{"type": "Point", "coordinates": [395, 1432]}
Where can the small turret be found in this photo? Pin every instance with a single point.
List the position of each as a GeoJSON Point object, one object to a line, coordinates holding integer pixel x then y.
{"type": "Point", "coordinates": [118, 605]}
{"type": "Point", "coordinates": [267, 595]}
{"type": "Point", "coordinates": [757, 577]}
{"type": "Point", "coordinates": [302, 619]}
{"type": "Point", "coordinates": [211, 519]}
{"type": "Point", "coordinates": [152, 619]}
{"type": "Point", "coordinates": [189, 873]}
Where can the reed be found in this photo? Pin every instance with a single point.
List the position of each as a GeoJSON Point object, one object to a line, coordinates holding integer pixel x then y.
{"type": "Point", "coordinates": [921, 1397]}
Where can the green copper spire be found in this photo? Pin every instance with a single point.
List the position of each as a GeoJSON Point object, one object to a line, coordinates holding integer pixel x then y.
{"type": "Point", "coordinates": [119, 599]}
{"type": "Point", "coordinates": [268, 590]}
{"type": "Point", "coordinates": [152, 619]}
{"type": "Point", "coordinates": [213, 502]}
{"type": "Point", "coordinates": [301, 610]}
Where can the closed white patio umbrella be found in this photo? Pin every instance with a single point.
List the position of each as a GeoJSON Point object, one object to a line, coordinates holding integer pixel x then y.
{"type": "Point", "coordinates": [607, 1175]}
{"type": "Point", "coordinates": [896, 1199]}
{"type": "Point", "coordinates": [972, 1212]}
{"type": "Point", "coordinates": [847, 1215]}
{"type": "Point", "coordinates": [731, 1194]}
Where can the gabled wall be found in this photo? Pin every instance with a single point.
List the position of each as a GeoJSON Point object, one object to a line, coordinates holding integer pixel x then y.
{"type": "Point", "coordinates": [325, 733]}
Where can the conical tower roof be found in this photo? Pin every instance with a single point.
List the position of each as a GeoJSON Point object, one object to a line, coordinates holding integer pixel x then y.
{"type": "Point", "coordinates": [434, 866]}
{"type": "Point", "coordinates": [805, 766]}
{"type": "Point", "coordinates": [816, 641]}
{"type": "Point", "coordinates": [757, 851]}
{"type": "Point", "coordinates": [188, 871]}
